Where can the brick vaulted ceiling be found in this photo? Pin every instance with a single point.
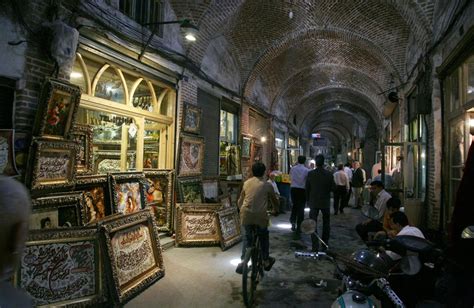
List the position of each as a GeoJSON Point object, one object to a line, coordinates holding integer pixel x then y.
{"type": "Point", "coordinates": [329, 63]}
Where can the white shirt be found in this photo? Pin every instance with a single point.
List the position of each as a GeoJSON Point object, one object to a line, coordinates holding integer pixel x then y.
{"type": "Point", "coordinates": [348, 172]}
{"type": "Point", "coordinates": [298, 175]}
{"type": "Point", "coordinates": [340, 178]}
{"type": "Point", "coordinates": [275, 187]}
{"type": "Point", "coordinates": [381, 203]}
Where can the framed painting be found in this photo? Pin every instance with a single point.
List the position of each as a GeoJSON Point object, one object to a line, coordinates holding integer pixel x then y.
{"type": "Point", "coordinates": [52, 164]}
{"type": "Point", "coordinates": [246, 146]}
{"type": "Point", "coordinates": [196, 224]}
{"type": "Point", "coordinates": [58, 108]}
{"type": "Point", "coordinates": [229, 227]}
{"type": "Point", "coordinates": [127, 191]}
{"type": "Point", "coordinates": [82, 134]}
{"type": "Point", "coordinates": [159, 196]}
{"type": "Point", "coordinates": [7, 152]}
{"type": "Point", "coordinates": [57, 211]}
{"type": "Point", "coordinates": [257, 152]}
{"type": "Point", "coordinates": [97, 203]}
{"type": "Point", "coordinates": [191, 119]}
{"type": "Point", "coordinates": [190, 190]}
{"type": "Point", "coordinates": [222, 165]}
{"type": "Point", "coordinates": [232, 188]}
{"type": "Point", "coordinates": [133, 253]}
{"type": "Point", "coordinates": [191, 156]}
{"type": "Point", "coordinates": [63, 267]}
{"type": "Point", "coordinates": [225, 201]}
{"type": "Point", "coordinates": [210, 188]}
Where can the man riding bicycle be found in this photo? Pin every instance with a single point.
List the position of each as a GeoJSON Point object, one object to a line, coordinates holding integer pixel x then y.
{"type": "Point", "coordinates": [256, 198]}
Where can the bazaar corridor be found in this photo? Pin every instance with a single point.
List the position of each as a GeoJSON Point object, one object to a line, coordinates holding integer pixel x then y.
{"type": "Point", "coordinates": [142, 140]}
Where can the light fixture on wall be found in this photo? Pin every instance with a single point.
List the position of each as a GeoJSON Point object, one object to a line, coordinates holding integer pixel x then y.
{"type": "Point", "coordinates": [190, 29]}
{"type": "Point", "coordinates": [263, 139]}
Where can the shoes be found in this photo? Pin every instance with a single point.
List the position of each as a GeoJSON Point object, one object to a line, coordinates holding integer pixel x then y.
{"type": "Point", "coordinates": [268, 263]}
{"type": "Point", "coordinates": [240, 268]}
{"type": "Point", "coordinates": [293, 227]}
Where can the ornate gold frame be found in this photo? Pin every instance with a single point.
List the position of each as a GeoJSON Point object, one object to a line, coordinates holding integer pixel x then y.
{"type": "Point", "coordinates": [38, 148]}
{"type": "Point", "coordinates": [169, 176]}
{"type": "Point", "coordinates": [181, 162]}
{"type": "Point", "coordinates": [187, 109]}
{"type": "Point", "coordinates": [183, 181]}
{"type": "Point", "coordinates": [81, 130]}
{"type": "Point", "coordinates": [142, 280]}
{"type": "Point", "coordinates": [208, 209]}
{"type": "Point", "coordinates": [87, 182]}
{"type": "Point", "coordinates": [226, 201]}
{"type": "Point", "coordinates": [50, 87]}
{"type": "Point", "coordinates": [228, 240]}
{"type": "Point", "coordinates": [126, 177]}
{"type": "Point", "coordinates": [55, 202]}
{"type": "Point", "coordinates": [57, 237]}
{"type": "Point", "coordinates": [248, 151]}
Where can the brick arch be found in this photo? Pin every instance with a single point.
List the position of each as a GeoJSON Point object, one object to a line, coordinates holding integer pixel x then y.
{"type": "Point", "coordinates": [343, 119]}
{"type": "Point", "coordinates": [330, 95]}
{"type": "Point", "coordinates": [321, 75]}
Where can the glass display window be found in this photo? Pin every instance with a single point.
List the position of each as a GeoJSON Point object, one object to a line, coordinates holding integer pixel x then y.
{"type": "Point", "coordinates": [229, 124]}
{"type": "Point", "coordinates": [470, 79]}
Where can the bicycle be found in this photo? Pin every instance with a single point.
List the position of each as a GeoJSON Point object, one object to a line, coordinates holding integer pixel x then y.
{"type": "Point", "coordinates": [252, 270]}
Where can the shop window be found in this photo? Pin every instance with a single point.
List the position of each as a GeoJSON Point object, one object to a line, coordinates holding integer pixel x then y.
{"type": "Point", "coordinates": [109, 85]}
{"type": "Point", "coordinates": [152, 144]}
{"type": "Point", "coordinates": [454, 91]}
{"type": "Point", "coordinates": [78, 75]}
{"type": "Point", "coordinates": [229, 124]}
{"type": "Point", "coordinates": [142, 97]}
{"type": "Point", "coordinates": [166, 100]}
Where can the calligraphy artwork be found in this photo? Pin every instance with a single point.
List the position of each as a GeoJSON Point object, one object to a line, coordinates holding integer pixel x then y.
{"type": "Point", "coordinates": [82, 134]}
{"type": "Point", "coordinates": [134, 252]}
{"type": "Point", "coordinates": [190, 190]}
{"type": "Point", "coordinates": [191, 118]}
{"type": "Point", "coordinates": [229, 227]}
{"type": "Point", "coordinates": [52, 164]}
{"type": "Point", "coordinates": [191, 155]}
{"type": "Point", "coordinates": [196, 224]}
{"type": "Point", "coordinates": [58, 109]}
{"type": "Point", "coordinates": [97, 203]}
{"type": "Point", "coordinates": [7, 161]}
{"type": "Point", "coordinates": [62, 267]}
{"type": "Point", "coordinates": [159, 196]}
{"type": "Point", "coordinates": [58, 211]}
{"type": "Point", "coordinates": [128, 192]}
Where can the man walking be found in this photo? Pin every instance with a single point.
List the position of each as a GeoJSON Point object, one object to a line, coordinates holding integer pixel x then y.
{"type": "Point", "coordinates": [298, 176]}
{"type": "Point", "coordinates": [348, 171]}
{"type": "Point", "coordinates": [358, 181]}
{"type": "Point", "coordinates": [342, 188]}
{"type": "Point", "coordinates": [319, 185]}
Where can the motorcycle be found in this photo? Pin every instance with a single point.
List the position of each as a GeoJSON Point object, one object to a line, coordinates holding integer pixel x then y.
{"type": "Point", "coordinates": [366, 272]}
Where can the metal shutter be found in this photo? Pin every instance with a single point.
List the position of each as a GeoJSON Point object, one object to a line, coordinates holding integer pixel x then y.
{"type": "Point", "coordinates": [210, 131]}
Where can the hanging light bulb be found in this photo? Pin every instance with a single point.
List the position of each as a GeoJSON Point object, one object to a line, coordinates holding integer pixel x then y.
{"type": "Point", "coordinates": [290, 14]}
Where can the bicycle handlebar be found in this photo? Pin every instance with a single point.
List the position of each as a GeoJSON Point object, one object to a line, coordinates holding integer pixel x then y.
{"type": "Point", "coordinates": [311, 255]}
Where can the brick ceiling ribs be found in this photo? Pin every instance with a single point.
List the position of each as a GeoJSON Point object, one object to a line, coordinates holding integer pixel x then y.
{"type": "Point", "coordinates": [330, 52]}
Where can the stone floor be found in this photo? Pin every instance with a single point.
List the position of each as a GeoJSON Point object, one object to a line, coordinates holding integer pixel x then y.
{"type": "Point", "coordinates": [205, 277]}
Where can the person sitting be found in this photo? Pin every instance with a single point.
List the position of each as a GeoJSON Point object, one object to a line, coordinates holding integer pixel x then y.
{"type": "Point", "coordinates": [393, 205]}
{"type": "Point", "coordinates": [375, 224]}
{"type": "Point", "coordinates": [281, 200]}
{"type": "Point", "coordinates": [256, 197]}
{"type": "Point", "coordinates": [15, 207]}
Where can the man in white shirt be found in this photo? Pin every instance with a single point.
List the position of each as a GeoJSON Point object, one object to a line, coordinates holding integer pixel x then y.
{"type": "Point", "coordinates": [298, 175]}
{"type": "Point", "coordinates": [348, 171]}
{"type": "Point", "coordinates": [375, 224]}
{"type": "Point", "coordinates": [342, 188]}
{"type": "Point", "coordinates": [278, 207]}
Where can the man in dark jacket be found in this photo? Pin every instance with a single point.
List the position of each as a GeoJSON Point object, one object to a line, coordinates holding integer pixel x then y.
{"type": "Point", "coordinates": [319, 184]}
{"type": "Point", "coordinates": [358, 182]}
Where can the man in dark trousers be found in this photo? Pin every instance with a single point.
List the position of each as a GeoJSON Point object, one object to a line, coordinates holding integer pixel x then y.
{"type": "Point", "coordinates": [319, 184]}
{"type": "Point", "coordinates": [298, 176]}
{"type": "Point", "coordinates": [358, 182]}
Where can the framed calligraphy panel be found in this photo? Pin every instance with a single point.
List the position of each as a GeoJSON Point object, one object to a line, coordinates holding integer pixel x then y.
{"type": "Point", "coordinates": [191, 157]}
{"type": "Point", "coordinates": [191, 118]}
{"type": "Point", "coordinates": [58, 108]}
{"type": "Point", "coordinates": [82, 134]}
{"type": "Point", "coordinates": [159, 196]}
{"type": "Point", "coordinates": [134, 254]}
{"type": "Point", "coordinates": [62, 267]}
{"type": "Point", "coordinates": [57, 211]}
{"type": "Point", "coordinates": [52, 164]}
{"type": "Point", "coordinates": [196, 224]}
{"type": "Point", "coordinates": [190, 190]}
{"type": "Point", "coordinates": [229, 227]}
{"type": "Point", "coordinates": [97, 202]}
{"type": "Point", "coordinates": [127, 191]}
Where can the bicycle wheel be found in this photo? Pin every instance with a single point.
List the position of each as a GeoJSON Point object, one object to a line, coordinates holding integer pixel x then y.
{"type": "Point", "coordinates": [247, 273]}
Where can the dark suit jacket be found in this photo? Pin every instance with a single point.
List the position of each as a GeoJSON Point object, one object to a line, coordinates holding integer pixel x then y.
{"type": "Point", "coordinates": [319, 184]}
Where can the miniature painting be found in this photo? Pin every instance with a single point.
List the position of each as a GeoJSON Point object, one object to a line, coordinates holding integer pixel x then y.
{"type": "Point", "coordinates": [191, 118]}
{"type": "Point", "coordinates": [191, 156]}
